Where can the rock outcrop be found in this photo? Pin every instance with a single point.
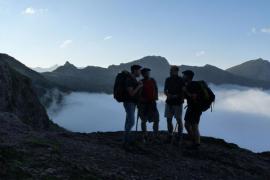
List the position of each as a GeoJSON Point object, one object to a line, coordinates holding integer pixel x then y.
{"type": "Point", "coordinates": [31, 155]}
{"type": "Point", "coordinates": [17, 97]}
{"type": "Point", "coordinates": [41, 86]}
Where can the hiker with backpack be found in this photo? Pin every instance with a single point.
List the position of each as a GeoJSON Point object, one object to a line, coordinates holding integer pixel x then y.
{"type": "Point", "coordinates": [147, 108]}
{"type": "Point", "coordinates": [199, 98]}
{"type": "Point", "coordinates": [127, 90]}
{"type": "Point", "coordinates": [173, 89]}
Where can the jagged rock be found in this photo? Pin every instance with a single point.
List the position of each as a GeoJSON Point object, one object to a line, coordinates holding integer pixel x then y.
{"type": "Point", "coordinates": [67, 155]}
{"type": "Point", "coordinates": [18, 97]}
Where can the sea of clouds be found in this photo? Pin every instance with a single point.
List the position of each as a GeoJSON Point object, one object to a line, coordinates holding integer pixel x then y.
{"type": "Point", "coordinates": [241, 115]}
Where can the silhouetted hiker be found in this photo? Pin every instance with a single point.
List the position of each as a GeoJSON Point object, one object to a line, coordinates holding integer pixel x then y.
{"type": "Point", "coordinates": [147, 107]}
{"type": "Point", "coordinates": [126, 90]}
{"type": "Point", "coordinates": [199, 98]}
{"type": "Point", "coordinates": [174, 103]}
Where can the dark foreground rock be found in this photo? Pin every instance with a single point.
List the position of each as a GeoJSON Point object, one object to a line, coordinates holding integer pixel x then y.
{"type": "Point", "coordinates": [27, 154]}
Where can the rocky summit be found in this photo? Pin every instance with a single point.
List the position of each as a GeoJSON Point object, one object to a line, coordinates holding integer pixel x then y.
{"type": "Point", "coordinates": [27, 154]}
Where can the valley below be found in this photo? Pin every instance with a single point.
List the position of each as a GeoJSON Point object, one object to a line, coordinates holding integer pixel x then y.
{"type": "Point", "coordinates": [240, 115]}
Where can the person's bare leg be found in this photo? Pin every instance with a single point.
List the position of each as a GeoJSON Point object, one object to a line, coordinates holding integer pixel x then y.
{"type": "Point", "coordinates": [180, 128]}
{"type": "Point", "coordinates": [189, 130]}
{"type": "Point", "coordinates": [156, 126]}
{"type": "Point", "coordinates": [197, 138]}
{"type": "Point", "coordinates": [170, 125]}
{"type": "Point", "coordinates": [170, 130]}
{"type": "Point", "coordinates": [143, 126]}
{"type": "Point", "coordinates": [144, 129]}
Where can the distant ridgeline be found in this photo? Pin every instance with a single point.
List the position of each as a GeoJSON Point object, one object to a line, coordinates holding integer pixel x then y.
{"type": "Point", "coordinates": [254, 73]}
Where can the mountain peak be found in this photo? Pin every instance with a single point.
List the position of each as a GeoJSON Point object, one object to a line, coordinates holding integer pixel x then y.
{"type": "Point", "coordinates": [261, 60]}
{"type": "Point", "coordinates": [67, 63]}
{"type": "Point", "coordinates": [66, 68]}
{"type": "Point", "coordinates": [157, 59]}
{"type": "Point", "coordinates": [254, 69]}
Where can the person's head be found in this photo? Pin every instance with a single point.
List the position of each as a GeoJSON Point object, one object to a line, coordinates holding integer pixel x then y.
{"type": "Point", "coordinates": [188, 75]}
{"type": "Point", "coordinates": [136, 70]}
{"type": "Point", "coordinates": [146, 73]}
{"type": "Point", "coordinates": [174, 70]}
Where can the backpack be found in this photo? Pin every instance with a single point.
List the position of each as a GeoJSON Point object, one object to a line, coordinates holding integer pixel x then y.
{"type": "Point", "coordinates": [206, 96]}
{"type": "Point", "coordinates": [119, 89]}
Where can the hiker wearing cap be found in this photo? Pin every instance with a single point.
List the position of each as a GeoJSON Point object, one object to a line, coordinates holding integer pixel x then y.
{"type": "Point", "coordinates": [193, 112]}
{"type": "Point", "coordinates": [173, 89]}
{"type": "Point", "coordinates": [147, 107]}
{"type": "Point", "coordinates": [133, 88]}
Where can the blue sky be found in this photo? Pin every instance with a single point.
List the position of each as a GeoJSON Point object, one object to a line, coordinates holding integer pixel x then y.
{"type": "Point", "coordinates": [104, 32]}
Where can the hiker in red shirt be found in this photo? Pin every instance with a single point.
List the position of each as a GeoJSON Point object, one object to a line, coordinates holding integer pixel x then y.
{"type": "Point", "coordinates": [148, 111]}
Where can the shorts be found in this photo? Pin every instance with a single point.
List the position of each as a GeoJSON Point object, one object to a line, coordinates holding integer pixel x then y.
{"type": "Point", "coordinates": [193, 116]}
{"type": "Point", "coordinates": [148, 112]}
{"type": "Point", "coordinates": [173, 111]}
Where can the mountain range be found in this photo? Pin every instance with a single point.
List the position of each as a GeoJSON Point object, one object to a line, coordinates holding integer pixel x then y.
{"type": "Point", "coordinates": [98, 79]}
{"type": "Point", "coordinates": [254, 73]}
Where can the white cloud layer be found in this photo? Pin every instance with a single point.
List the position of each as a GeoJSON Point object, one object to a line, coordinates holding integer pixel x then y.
{"type": "Point", "coordinates": [249, 101]}
{"type": "Point", "coordinates": [65, 43]}
{"type": "Point", "coordinates": [241, 115]}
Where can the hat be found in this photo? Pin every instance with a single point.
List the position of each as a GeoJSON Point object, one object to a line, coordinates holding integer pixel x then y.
{"type": "Point", "coordinates": [135, 67]}
{"type": "Point", "coordinates": [175, 68]}
{"type": "Point", "coordinates": [144, 70]}
{"type": "Point", "coordinates": [188, 73]}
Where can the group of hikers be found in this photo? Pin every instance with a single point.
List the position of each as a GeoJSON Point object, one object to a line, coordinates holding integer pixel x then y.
{"type": "Point", "coordinates": [143, 94]}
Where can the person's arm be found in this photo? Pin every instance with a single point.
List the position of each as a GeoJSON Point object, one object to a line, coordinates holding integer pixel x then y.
{"type": "Point", "coordinates": [156, 89]}
{"type": "Point", "coordinates": [187, 94]}
{"type": "Point", "coordinates": [166, 88]}
{"type": "Point", "coordinates": [132, 92]}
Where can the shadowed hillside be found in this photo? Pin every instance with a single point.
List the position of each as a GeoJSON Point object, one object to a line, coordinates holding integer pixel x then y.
{"type": "Point", "coordinates": [218, 76]}
{"type": "Point", "coordinates": [46, 90]}
{"type": "Point", "coordinates": [18, 98]}
{"type": "Point", "coordinates": [257, 69]}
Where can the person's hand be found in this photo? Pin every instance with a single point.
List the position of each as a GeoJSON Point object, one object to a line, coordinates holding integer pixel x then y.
{"type": "Point", "coordinates": [140, 84]}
